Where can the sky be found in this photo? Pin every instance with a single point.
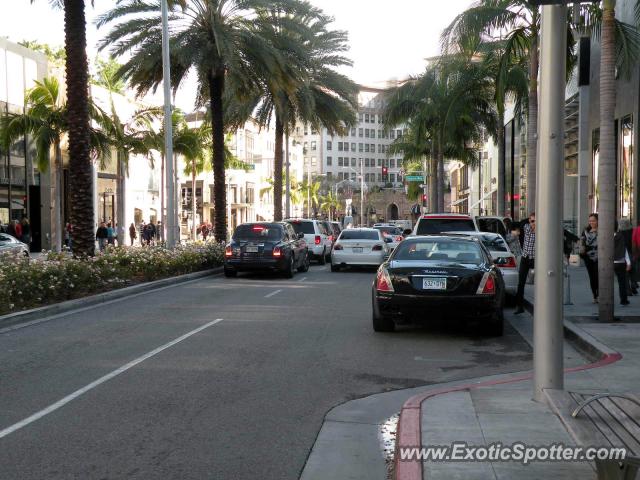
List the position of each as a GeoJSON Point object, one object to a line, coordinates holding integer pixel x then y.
{"type": "Point", "coordinates": [388, 39]}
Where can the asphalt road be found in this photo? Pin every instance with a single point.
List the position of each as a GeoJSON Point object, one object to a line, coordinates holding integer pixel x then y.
{"type": "Point", "coordinates": [243, 398]}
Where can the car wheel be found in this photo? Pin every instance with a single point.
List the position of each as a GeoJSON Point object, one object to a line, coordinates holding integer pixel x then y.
{"type": "Point", "coordinates": [335, 268]}
{"type": "Point", "coordinates": [382, 323]}
{"type": "Point", "coordinates": [230, 273]}
{"type": "Point", "coordinates": [322, 260]}
{"type": "Point", "coordinates": [496, 324]}
{"type": "Point", "coordinates": [291, 269]}
{"type": "Point", "coordinates": [305, 264]}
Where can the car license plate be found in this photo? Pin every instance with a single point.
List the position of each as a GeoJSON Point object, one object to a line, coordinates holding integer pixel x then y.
{"type": "Point", "coordinates": [357, 249]}
{"type": "Point", "coordinates": [251, 249]}
{"type": "Point", "coordinates": [434, 283]}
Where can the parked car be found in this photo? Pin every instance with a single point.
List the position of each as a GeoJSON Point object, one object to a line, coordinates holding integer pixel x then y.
{"type": "Point", "coordinates": [359, 246]}
{"type": "Point", "coordinates": [337, 228]}
{"type": "Point", "coordinates": [316, 236]}
{"type": "Point", "coordinates": [10, 244]}
{"type": "Point", "coordinates": [436, 223]}
{"type": "Point", "coordinates": [402, 224]}
{"type": "Point", "coordinates": [331, 234]}
{"type": "Point", "coordinates": [438, 276]}
{"type": "Point", "coordinates": [501, 255]}
{"type": "Point", "coordinates": [266, 246]}
{"type": "Point", "coordinates": [493, 225]}
{"type": "Point", "coordinates": [390, 231]}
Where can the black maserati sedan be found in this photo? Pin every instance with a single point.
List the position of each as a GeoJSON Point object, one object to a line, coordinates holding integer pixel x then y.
{"type": "Point", "coordinates": [266, 247]}
{"type": "Point", "coordinates": [438, 276]}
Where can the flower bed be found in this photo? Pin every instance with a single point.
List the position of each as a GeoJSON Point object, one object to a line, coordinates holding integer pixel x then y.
{"type": "Point", "coordinates": [55, 277]}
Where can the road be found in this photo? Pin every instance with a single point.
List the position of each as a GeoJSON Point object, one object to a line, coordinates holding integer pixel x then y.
{"type": "Point", "coordinates": [242, 398]}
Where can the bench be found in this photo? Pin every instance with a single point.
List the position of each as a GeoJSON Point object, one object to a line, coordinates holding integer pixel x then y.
{"type": "Point", "coordinates": [602, 420]}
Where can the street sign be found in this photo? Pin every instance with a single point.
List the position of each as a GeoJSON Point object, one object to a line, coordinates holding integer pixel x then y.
{"type": "Point", "coordinates": [414, 178]}
{"type": "Point", "coordinates": [422, 185]}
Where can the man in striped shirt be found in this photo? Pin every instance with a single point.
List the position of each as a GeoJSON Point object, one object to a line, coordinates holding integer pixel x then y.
{"type": "Point", "coordinates": [527, 260]}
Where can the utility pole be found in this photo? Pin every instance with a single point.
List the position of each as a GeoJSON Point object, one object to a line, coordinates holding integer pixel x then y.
{"type": "Point", "coordinates": [287, 179]}
{"type": "Point", "coordinates": [168, 131]}
{"type": "Point", "coordinates": [548, 323]}
{"type": "Point", "coordinates": [362, 193]}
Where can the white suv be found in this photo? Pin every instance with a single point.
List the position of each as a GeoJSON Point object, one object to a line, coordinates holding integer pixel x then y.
{"type": "Point", "coordinates": [437, 223]}
{"type": "Point", "coordinates": [316, 237]}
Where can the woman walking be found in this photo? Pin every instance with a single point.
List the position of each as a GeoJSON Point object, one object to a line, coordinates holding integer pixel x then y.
{"type": "Point", "coordinates": [26, 231]}
{"type": "Point", "coordinates": [589, 253]}
{"type": "Point", "coordinates": [133, 234]}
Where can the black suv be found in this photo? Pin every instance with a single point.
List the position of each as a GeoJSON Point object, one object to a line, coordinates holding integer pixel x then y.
{"type": "Point", "coordinates": [266, 246]}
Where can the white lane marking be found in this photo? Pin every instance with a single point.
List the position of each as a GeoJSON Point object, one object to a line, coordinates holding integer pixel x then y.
{"type": "Point", "coordinates": [272, 294]}
{"type": "Point", "coordinates": [62, 402]}
{"type": "Point", "coordinates": [302, 279]}
{"type": "Point", "coordinates": [31, 323]}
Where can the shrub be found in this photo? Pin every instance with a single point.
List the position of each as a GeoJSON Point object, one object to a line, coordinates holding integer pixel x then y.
{"type": "Point", "coordinates": [55, 277]}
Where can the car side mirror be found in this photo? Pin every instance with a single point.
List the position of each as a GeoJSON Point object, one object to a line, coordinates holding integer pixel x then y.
{"type": "Point", "coordinates": [301, 235]}
{"type": "Point", "coordinates": [407, 231]}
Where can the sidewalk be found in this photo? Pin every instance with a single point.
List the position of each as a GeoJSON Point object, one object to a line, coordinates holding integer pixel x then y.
{"type": "Point", "coordinates": [583, 309]}
{"type": "Point", "coordinates": [502, 410]}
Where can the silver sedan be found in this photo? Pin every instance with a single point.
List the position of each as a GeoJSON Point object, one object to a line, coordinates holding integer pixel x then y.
{"type": "Point", "coordinates": [359, 246]}
{"type": "Point", "coordinates": [9, 244]}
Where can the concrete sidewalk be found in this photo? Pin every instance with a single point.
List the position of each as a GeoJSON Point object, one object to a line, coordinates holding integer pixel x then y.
{"type": "Point", "coordinates": [582, 308]}
{"type": "Point", "coordinates": [504, 412]}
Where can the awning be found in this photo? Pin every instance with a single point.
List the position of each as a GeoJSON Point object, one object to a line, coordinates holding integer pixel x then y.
{"type": "Point", "coordinates": [487, 195]}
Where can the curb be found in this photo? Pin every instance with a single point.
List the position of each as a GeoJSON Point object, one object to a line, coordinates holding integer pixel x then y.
{"type": "Point", "coordinates": [13, 319]}
{"type": "Point", "coordinates": [409, 432]}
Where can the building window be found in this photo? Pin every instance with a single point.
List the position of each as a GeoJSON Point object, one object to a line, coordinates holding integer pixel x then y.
{"type": "Point", "coordinates": [328, 144]}
{"type": "Point", "coordinates": [393, 134]}
{"type": "Point", "coordinates": [379, 178]}
{"type": "Point", "coordinates": [360, 118]}
{"type": "Point", "coordinates": [398, 133]}
{"type": "Point", "coordinates": [366, 147]}
{"type": "Point", "coordinates": [353, 146]}
{"type": "Point", "coordinates": [353, 162]}
{"type": "Point", "coordinates": [339, 161]}
{"type": "Point", "coordinates": [329, 175]}
{"type": "Point", "coordinates": [379, 162]}
{"type": "Point", "coordinates": [313, 161]}
{"type": "Point", "coordinates": [329, 161]}
{"type": "Point", "coordinates": [353, 132]}
{"type": "Point", "coordinates": [360, 132]}
{"type": "Point", "coordinates": [392, 163]}
{"type": "Point", "coordinates": [366, 133]}
{"type": "Point", "coordinates": [392, 177]}
{"type": "Point", "coordinates": [313, 146]}
{"type": "Point", "coordinates": [373, 148]}
{"type": "Point", "coordinates": [373, 118]}
{"type": "Point", "coordinates": [366, 118]}
{"type": "Point", "coordinates": [361, 147]}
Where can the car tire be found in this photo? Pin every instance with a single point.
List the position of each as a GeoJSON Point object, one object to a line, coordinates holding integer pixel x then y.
{"type": "Point", "coordinates": [291, 269]}
{"type": "Point", "coordinates": [229, 273]}
{"type": "Point", "coordinates": [322, 259]}
{"type": "Point", "coordinates": [335, 268]}
{"type": "Point", "coordinates": [382, 323]}
{"type": "Point", "coordinates": [305, 264]}
{"type": "Point", "coordinates": [496, 324]}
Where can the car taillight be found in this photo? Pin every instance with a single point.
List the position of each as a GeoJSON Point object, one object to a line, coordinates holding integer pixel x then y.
{"type": "Point", "coordinates": [228, 251]}
{"type": "Point", "coordinates": [399, 238]}
{"type": "Point", "coordinates": [337, 246]}
{"type": "Point", "coordinates": [331, 238]}
{"type": "Point", "coordinates": [487, 285]}
{"type": "Point", "coordinates": [510, 262]}
{"type": "Point", "coordinates": [277, 252]}
{"type": "Point", "coordinates": [318, 240]}
{"type": "Point", "coordinates": [377, 248]}
{"type": "Point", "coordinates": [383, 281]}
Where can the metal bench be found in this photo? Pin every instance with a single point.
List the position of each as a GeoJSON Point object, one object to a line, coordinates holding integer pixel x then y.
{"type": "Point", "coordinates": [602, 420]}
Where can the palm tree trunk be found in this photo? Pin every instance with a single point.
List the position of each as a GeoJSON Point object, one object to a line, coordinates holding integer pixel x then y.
{"type": "Point", "coordinates": [277, 170]}
{"type": "Point", "coordinates": [56, 197]}
{"type": "Point", "coordinates": [607, 163]}
{"type": "Point", "coordinates": [80, 168]}
{"type": "Point", "coordinates": [216, 87]}
{"type": "Point", "coordinates": [193, 200]}
{"type": "Point", "coordinates": [433, 182]}
{"type": "Point", "coordinates": [441, 181]}
{"type": "Point", "coordinates": [120, 207]}
{"type": "Point", "coordinates": [501, 166]}
{"type": "Point", "coordinates": [532, 125]}
{"type": "Point", "coordinates": [163, 218]}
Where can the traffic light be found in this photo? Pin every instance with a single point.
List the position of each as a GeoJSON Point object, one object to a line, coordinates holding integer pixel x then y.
{"type": "Point", "coordinates": [424, 199]}
{"type": "Point", "coordinates": [385, 172]}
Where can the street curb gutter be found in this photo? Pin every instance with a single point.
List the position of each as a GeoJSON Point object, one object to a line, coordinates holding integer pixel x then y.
{"type": "Point", "coordinates": [25, 316]}
{"type": "Point", "coordinates": [409, 432]}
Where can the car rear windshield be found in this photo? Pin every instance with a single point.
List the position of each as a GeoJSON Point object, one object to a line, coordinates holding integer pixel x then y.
{"type": "Point", "coordinates": [494, 244]}
{"type": "Point", "coordinates": [252, 232]}
{"type": "Point", "coordinates": [454, 251]}
{"type": "Point", "coordinates": [304, 227]}
{"type": "Point", "coordinates": [428, 226]}
{"type": "Point", "coordinates": [391, 230]}
{"type": "Point", "coordinates": [350, 234]}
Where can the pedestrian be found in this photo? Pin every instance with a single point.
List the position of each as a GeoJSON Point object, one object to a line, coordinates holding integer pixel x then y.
{"type": "Point", "coordinates": [26, 231]}
{"type": "Point", "coordinates": [527, 261]}
{"type": "Point", "coordinates": [111, 234]}
{"type": "Point", "coordinates": [568, 239]}
{"type": "Point", "coordinates": [589, 253]}
{"type": "Point", "coordinates": [68, 236]}
{"type": "Point", "coordinates": [621, 264]}
{"type": "Point", "coordinates": [626, 230]}
{"type": "Point", "coordinates": [132, 233]}
{"type": "Point", "coordinates": [159, 231]}
{"type": "Point", "coordinates": [102, 235]}
{"type": "Point", "coordinates": [204, 229]}
{"type": "Point", "coordinates": [513, 240]}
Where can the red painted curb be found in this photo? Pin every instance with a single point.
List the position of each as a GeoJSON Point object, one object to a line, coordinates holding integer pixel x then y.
{"type": "Point", "coordinates": [409, 424]}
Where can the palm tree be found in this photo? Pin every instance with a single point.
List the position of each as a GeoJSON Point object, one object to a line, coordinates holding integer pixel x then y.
{"type": "Point", "coordinates": [219, 40]}
{"type": "Point", "coordinates": [46, 120]}
{"type": "Point", "coordinates": [310, 193]}
{"type": "Point", "coordinates": [78, 119]}
{"type": "Point", "coordinates": [516, 24]}
{"type": "Point", "coordinates": [329, 203]}
{"type": "Point", "coordinates": [313, 91]}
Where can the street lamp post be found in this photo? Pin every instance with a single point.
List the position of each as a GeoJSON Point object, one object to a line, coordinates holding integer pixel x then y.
{"type": "Point", "coordinates": [548, 325]}
{"type": "Point", "coordinates": [287, 179]}
{"type": "Point", "coordinates": [168, 131]}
